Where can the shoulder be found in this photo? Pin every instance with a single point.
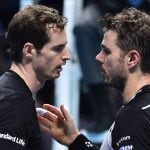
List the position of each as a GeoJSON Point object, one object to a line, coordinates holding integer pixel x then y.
{"type": "Point", "coordinates": [132, 121]}
{"type": "Point", "coordinates": [131, 126]}
{"type": "Point", "coordinates": [130, 115]}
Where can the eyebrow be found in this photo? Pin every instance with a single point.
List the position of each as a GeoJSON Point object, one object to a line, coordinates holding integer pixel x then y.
{"type": "Point", "coordinates": [61, 46]}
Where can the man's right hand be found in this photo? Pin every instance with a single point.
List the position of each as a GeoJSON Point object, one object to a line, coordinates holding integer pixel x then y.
{"type": "Point", "coordinates": [59, 124]}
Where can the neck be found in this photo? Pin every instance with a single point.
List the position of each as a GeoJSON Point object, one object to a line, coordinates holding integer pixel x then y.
{"type": "Point", "coordinates": [134, 84]}
{"type": "Point", "coordinates": [28, 75]}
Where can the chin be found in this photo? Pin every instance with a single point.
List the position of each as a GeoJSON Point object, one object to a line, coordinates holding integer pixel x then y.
{"type": "Point", "coordinates": [106, 80]}
{"type": "Point", "coordinates": [53, 75]}
{"type": "Point", "coordinates": [56, 76]}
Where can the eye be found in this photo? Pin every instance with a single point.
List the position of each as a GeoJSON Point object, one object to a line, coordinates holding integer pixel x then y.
{"type": "Point", "coordinates": [106, 51]}
{"type": "Point", "coordinates": [58, 48]}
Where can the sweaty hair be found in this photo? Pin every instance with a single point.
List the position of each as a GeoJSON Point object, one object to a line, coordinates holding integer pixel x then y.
{"type": "Point", "coordinates": [133, 32]}
{"type": "Point", "coordinates": [31, 25]}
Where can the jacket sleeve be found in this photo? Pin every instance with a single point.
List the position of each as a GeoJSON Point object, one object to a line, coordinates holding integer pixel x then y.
{"type": "Point", "coordinates": [81, 142]}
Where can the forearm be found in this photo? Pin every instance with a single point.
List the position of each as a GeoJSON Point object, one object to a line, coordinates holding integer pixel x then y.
{"type": "Point", "coordinates": [81, 142]}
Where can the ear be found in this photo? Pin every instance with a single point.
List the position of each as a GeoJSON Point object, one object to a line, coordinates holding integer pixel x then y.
{"type": "Point", "coordinates": [133, 58]}
{"type": "Point", "coordinates": [27, 50]}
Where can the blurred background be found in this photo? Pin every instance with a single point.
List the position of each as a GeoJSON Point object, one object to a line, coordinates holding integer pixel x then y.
{"type": "Point", "coordinates": [80, 88]}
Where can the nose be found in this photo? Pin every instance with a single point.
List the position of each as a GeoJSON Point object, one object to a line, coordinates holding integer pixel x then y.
{"type": "Point", "coordinates": [99, 57]}
{"type": "Point", "coordinates": [66, 54]}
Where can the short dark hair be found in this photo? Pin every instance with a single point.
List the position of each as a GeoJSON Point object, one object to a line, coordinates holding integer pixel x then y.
{"type": "Point", "coordinates": [30, 25]}
{"type": "Point", "coordinates": [133, 32]}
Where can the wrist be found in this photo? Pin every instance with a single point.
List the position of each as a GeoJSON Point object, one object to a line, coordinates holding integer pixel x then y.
{"type": "Point", "coordinates": [72, 138]}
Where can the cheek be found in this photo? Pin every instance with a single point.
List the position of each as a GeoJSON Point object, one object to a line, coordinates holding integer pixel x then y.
{"type": "Point", "coordinates": [109, 65]}
{"type": "Point", "coordinates": [113, 61]}
{"type": "Point", "coordinates": [119, 69]}
{"type": "Point", "coordinates": [113, 66]}
{"type": "Point", "coordinates": [45, 60]}
{"type": "Point", "coordinates": [40, 63]}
